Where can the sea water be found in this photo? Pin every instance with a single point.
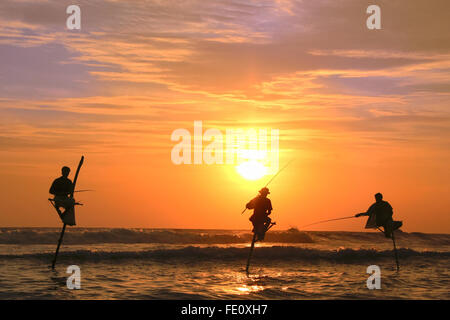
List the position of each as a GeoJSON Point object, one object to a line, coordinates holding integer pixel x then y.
{"type": "Point", "coordinates": [210, 264]}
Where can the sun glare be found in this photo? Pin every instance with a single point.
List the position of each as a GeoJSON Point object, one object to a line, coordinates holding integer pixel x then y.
{"type": "Point", "coordinates": [252, 170]}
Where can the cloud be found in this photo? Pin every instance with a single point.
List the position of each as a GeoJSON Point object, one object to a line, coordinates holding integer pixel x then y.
{"type": "Point", "coordinates": [162, 64]}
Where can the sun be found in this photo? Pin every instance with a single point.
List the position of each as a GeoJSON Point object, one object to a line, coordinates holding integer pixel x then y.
{"type": "Point", "coordinates": [252, 170]}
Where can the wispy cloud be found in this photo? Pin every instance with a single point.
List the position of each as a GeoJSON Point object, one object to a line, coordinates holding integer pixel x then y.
{"type": "Point", "coordinates": [136, 65]}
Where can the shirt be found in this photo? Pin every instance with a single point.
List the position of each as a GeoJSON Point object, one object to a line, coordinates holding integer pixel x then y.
{"type": "Point", "coordinates": [260, 205]}
{"type": "Point", "coordinates": [382, 211]}
{"type": "Point", "coordinates": [61, 187]}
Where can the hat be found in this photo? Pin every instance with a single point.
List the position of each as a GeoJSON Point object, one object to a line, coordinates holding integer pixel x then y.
{"type": "Point", "coordinates": [264, 191]}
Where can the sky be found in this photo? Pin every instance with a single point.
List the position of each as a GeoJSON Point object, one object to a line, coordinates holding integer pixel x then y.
{"type": "Point", "coordinates": [360, 111]}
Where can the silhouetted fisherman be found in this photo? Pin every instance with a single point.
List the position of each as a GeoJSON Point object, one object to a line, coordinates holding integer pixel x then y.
{"type": "Point", "coordinates": [380, 215]}
{"type": "Point", "coordinates": [61, 188]}
{"type": "Point", "coordinates": [262, 207]}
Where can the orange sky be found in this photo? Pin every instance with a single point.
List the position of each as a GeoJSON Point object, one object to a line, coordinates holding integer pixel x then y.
{"type": "Point", "coordinates": [361, 111]}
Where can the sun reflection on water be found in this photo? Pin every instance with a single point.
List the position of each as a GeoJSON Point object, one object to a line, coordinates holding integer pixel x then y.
{"type": "Point", "coordinates": [249, 289]}
{"type": "Point", "coordinates": [243, 285]}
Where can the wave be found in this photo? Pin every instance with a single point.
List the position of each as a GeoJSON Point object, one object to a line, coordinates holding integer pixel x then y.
{"type": "Point", "coordinates": [192, 253]}
{"type": "Point", "coordinates": [79, 236]}
{"type": "Point", "coordinates": [97, 236]}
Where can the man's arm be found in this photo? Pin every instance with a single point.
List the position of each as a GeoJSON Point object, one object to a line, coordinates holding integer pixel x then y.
{"type": "Point", "coordinates": [52, 189]}
{"type": "Point", "coordinates": [361, 214]}
{"type": "Point", "coordinates": [251, 204]}
{"type": "Point", "coordinates": [391, 211]}
{"type": "Point", "coordinates": [365, 213]}
{"type": "Point", "coordinates": [269, 207]}
{"type": "Point", "coordinates": [68, 188]}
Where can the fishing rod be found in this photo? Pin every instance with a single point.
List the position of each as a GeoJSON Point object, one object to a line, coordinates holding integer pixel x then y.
{"type": "Point", "coordinates": [290, 161]}
{"type": "Point", "coordinates": [323, 221]}
{"type": "Point", "coordinates": [279, 171]}
{"type": "Point", "coordinates": [83, 190]}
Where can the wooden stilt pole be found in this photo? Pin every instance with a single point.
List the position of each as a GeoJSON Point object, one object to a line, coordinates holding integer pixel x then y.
{"type": "Point", "coordinates": [59, 244]}
{"type": "Point", "coordinates": [251, 252]}
{"type": "Point", "coordinates": [395, 251]}
{"type": "Point", "coordinates": [253, 245]}
{"type": "Point", "coordinates": [395, 248]}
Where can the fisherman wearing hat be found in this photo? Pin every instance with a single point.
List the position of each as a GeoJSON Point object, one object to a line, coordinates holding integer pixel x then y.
{"type": "Point", "coordinates": [262, 207]}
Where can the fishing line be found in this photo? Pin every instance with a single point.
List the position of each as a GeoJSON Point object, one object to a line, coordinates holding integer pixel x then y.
{"type": "Point", "coordinates": [290, 161]}
{"type": "Point", "coordinates": [323, 221]}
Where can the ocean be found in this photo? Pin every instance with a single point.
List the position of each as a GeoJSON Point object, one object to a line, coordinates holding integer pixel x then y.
{"type": "Point", "coordinates": [210, 264]}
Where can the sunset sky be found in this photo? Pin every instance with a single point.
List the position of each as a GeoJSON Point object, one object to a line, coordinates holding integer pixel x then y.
{"type": "Point", "coordinates": [360, 111]}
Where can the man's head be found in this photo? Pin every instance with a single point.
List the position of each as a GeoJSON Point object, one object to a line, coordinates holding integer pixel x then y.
{"type": "Point", "coordinates": [65, 171]}
{"type": "Point", "coordinates": [378, 197]}
{"type": "Point", "coordinates": [264, 192]}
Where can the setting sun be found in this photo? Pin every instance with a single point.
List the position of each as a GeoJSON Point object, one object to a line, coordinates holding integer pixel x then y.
{"type": "Point", "coordinates": [252, 170]}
